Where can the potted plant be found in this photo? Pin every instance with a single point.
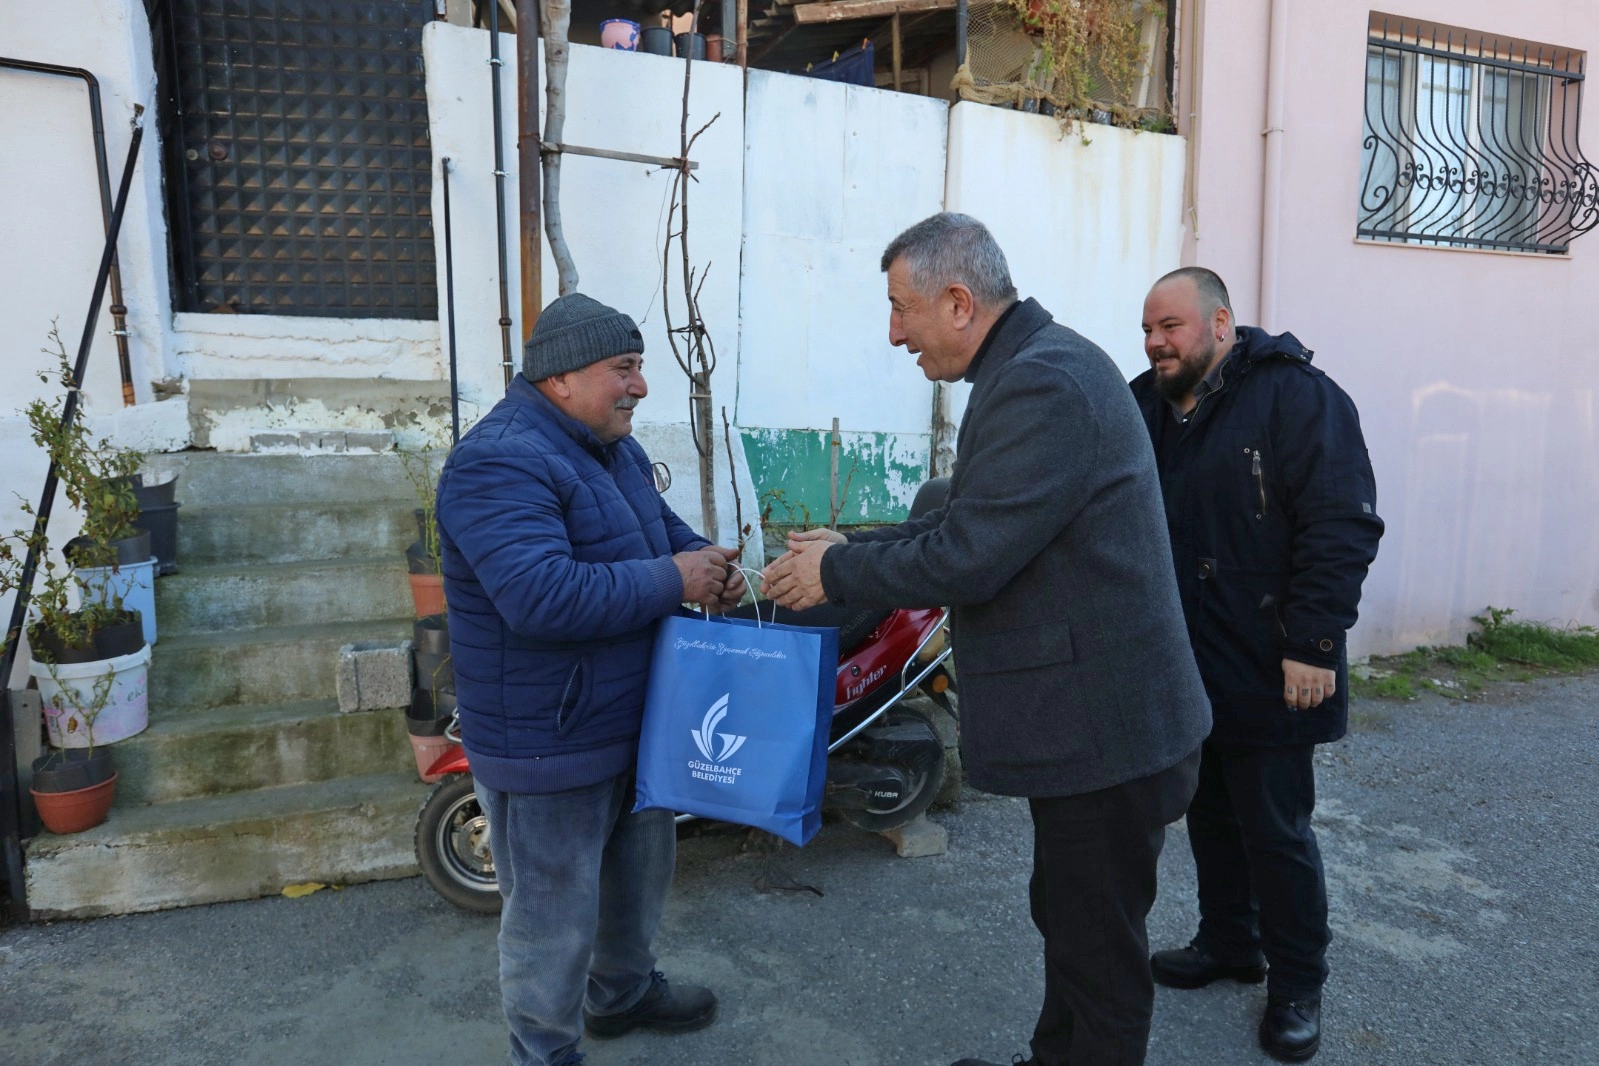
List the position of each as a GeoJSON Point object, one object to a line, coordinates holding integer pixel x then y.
{"type": "Point", "coordinates": [90, 658]}
{"type": "Point", "coordinates": [424, 567]}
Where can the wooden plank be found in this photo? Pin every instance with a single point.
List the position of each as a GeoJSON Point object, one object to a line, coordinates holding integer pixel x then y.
{"type": "Point", "coordinates": [846, 10]}
{"type": "Point", "coordinates": [623, 157]}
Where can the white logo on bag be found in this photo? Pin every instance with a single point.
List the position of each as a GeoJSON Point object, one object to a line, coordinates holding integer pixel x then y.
{"type": "Point", "coordinates": [705, 736]}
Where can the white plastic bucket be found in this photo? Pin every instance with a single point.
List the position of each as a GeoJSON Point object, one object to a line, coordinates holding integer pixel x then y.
{"type": "Point", "coordinates": [135, 582]}
{"type": "Point", "coordinates": [67, 689]}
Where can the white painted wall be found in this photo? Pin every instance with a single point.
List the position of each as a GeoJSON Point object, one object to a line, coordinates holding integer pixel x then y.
{"type": "Point", "coordinates": [614, 219]}
{"type": "Point", "coordinates": [832, 174]}
{"type": "Point", "coordinates": [1088, 219]}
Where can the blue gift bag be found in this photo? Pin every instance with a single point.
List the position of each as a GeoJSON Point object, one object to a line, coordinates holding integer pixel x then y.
{"type": "Point", "coordinates": [736, 722]}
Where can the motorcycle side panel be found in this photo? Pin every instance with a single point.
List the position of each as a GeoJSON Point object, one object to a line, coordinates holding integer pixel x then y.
{"type": "Point", "coordinates": [879, 661]}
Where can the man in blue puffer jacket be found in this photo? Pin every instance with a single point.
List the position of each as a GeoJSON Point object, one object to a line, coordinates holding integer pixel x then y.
{"type": "Point", "coordinates": [559, 558]}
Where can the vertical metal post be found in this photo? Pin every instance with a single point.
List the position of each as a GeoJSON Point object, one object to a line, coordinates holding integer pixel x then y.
{"type": "Point", "coordinates": [743, 34]}
{"type": "Point", "coordinates": [834, 444]}
{"type": "Point", "coordinates": [529, 162]}
{"type": "Point", "coordinates": [961, 18]}
{"type": "Point", "coordinates": [449, 309]}
{"type": "Point", "coordinates": [499, 190]}
{"type": "Point", "coordinates": [897, 73]}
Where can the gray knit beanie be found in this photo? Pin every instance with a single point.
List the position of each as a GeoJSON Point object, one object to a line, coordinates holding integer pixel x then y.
{"type": "Point", "coordinates": [575, 331]}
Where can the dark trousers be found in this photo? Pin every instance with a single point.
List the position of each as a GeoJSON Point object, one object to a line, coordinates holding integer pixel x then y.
{"type": "Point", "coordinates": [1092, 887]}
{"type": "Point", "coordinates": [1261, 883]}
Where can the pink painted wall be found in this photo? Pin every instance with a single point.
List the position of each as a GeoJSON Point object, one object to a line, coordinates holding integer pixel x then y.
{"type": "Point", "coordinates": [1474, 372]}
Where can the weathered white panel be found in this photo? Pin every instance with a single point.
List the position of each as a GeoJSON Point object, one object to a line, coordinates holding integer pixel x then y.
{"type": "Point", "coordinates": [1088, 221]}
{"type": "Point", "coordinates": [614, 219]}
{"type": "Point", "coordinates": [832, 174]}
{"type": "Point", "coordinates": [613, 213]}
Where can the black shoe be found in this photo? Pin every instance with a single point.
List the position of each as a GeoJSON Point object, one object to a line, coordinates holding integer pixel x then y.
{"type": "Point", "coordinates": [1193, 967]}
{"type": "Point", "coordinates": [663, 1009]}
{"type": "Point", "coordinates": [1015, 1060]}
{"type": "Point", "coordinates": [1290, 1031]}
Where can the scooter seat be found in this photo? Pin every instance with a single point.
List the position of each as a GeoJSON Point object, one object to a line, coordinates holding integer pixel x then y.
{"type": "Point", "coordinates": [853, 625]}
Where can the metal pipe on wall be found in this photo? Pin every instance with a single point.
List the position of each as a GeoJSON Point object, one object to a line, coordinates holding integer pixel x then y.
{"type": "Point", "coordinates": [495, 63]}
{"type": "Point", "coordinates": [449, 307]}
{"type": "Point", "coordinates": [528, 161]}
{"type": "Point", "coordinates": [119, 311]}
{"type": "Point", "coordinates": [1271, 186]}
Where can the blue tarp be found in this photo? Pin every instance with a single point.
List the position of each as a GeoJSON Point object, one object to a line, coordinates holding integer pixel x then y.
{"type": "Point", "coordinates": [853, 67]}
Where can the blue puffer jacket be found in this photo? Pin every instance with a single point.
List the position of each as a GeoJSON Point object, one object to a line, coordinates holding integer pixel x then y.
{"type": "Point", "coordinates": [557, 565]}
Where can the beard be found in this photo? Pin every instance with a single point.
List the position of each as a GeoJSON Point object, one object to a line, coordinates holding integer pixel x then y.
{"type": "Point", "coordinates": [1179, 384]}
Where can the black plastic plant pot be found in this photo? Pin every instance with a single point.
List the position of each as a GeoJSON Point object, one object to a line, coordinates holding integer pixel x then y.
{"type": "Point", "coordinates": [431, 634]}
{"type": "Point", "coordinates": [427, 717]}
{"type": "Point", "coordinates": [433, 670]}
{"type": "Point", "coordinates": [421, 517]}
{"type": "Point", "coordinates": [70, 769]}
{"type": "Point", "coordinates": [418, 561]}
{"type": "Point", "coordinates": [149, 496]}
{"type": "Point", "coordinates": [122, 637]}
{"type": "Point", "coordinates": [79, 551]}
{"type": "Point", "coordinates": [161, 519]}
{"type": "Point", "coordinates": [656, 40]}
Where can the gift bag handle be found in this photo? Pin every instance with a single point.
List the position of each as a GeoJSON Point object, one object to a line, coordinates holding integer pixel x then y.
{"type": "Point", "coordinates": [753, 587]}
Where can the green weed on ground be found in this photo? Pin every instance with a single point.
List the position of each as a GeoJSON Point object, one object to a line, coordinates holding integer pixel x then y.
{"type": "Point", "coordinates": [1503, 649]}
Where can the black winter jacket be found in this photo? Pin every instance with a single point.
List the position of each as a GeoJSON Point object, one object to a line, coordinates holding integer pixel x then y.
{"type": "Point", "coordinates": [1272, 509]}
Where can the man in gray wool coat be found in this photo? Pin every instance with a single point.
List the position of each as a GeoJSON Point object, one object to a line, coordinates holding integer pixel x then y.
{"type": "Point", "coordinates": [1078, 687]}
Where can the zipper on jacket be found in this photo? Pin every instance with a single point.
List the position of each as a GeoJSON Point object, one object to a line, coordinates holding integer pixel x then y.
{"type": "Point", "coordinates": [563, 707]}
{"type": "Point", "coordinates": [1260, 483]}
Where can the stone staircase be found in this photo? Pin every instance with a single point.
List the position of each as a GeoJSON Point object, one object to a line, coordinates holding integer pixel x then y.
{"type": "Point", "coordinates": [249, 778]}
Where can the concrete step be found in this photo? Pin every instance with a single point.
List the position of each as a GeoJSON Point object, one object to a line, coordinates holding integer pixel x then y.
{"type": "Point", "coordinates": [237, 846]}
{"type": "Point", "coordinates": [293, 532]}
{"type": "Point", "coordinates": [234, 749]}
{"type": "Point", "coordinates": [209, 479]}
{"type": "Point", "coordinates": [274, 664]}
{"type": "Point", "coordinates": [204, 599]}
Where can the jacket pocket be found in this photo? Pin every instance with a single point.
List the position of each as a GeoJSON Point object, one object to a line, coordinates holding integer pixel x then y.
{"type": "Point", "coordinates": [1023, 648]}
{"type": "Point", "coordinates": [569, 713]}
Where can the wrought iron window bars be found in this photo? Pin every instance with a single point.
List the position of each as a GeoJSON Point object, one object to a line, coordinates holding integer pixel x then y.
{"type": "Point", "coordinates": [1471, 142]}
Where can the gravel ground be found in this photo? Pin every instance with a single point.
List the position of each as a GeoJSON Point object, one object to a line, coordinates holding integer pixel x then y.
{"type": "Point", "coordinates": [1460, 841]}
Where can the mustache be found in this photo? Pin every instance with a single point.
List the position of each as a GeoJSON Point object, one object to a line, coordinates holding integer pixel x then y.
{"type": "Point", "coordinates": [627, 403]}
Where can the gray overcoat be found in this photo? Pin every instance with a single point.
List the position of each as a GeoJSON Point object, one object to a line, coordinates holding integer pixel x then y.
{"type": "Point", "coordinates": [1075, 672]}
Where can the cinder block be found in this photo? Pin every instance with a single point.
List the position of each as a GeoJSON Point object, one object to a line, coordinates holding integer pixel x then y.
{"type": "Point", "coordinates": [368, 440]}
{"type": "Point", "coordinates": [374, 674]}
{"type": "Point", "coordinates": [274, 442]}
{"type": "Point", "coordinates": [322, 440]}
{"type": "Point", "coordinates": [919, 838]}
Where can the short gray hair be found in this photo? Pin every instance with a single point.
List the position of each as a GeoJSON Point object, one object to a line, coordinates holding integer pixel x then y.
{"type": "Point", "coordinates": [947, 249]}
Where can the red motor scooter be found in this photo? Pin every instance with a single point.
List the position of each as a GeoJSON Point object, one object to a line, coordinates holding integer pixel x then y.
{"type": "Point", "coordinates": [885, 764]}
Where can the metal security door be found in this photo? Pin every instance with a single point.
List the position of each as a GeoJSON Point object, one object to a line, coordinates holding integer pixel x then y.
{"type": "Point", "coordinates": [297, 156]}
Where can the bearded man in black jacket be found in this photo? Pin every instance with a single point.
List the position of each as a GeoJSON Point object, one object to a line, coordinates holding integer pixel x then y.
{"type": "Point", "coordinates": [1271, 506]}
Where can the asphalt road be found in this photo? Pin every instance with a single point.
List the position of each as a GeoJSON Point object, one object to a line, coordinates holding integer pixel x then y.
{"type": "Point", "coordinates": [1460, 840]}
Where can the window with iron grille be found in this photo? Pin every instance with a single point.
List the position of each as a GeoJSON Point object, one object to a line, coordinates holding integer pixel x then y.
{"type": "Point", "coordinates": [1471, 141]}
{"type": "Point", "coordinates": [298, 166]}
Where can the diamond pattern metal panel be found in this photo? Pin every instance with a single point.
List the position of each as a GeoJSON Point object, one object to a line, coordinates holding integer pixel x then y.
{"type": "Point", "coordinates": [300, 134]}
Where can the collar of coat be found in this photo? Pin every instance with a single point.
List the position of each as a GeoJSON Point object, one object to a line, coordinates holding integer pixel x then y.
{"type": "Point", "coordinates": [1005, 336]}
{"type": "Point", "coordinates": [523, 391]}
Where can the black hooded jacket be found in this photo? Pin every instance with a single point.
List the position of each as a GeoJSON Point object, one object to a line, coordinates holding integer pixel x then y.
{"type": "Point", "coordinates": [1272, 509]}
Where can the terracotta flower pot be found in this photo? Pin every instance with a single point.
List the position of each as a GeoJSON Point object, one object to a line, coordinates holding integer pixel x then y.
{"type": "Point", "coordinates": [75, 811]}
{"type": "Point", "coordinates": [427, 593]}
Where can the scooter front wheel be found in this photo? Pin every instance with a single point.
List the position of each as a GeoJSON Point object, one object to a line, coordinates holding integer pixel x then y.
{"type": "Point", "coordinates": [452, 846]}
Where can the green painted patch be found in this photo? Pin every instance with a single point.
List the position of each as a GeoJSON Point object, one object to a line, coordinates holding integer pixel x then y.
{"type": "Point", "coordinates": [878, 475]}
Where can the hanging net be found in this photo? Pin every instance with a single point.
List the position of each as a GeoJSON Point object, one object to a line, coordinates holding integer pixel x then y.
{"type": "Point", "coordinates": [1096, 60]}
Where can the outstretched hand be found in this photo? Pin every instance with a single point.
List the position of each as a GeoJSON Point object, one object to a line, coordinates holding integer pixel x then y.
{"type": "Point", "coordinates": [794, 580]}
